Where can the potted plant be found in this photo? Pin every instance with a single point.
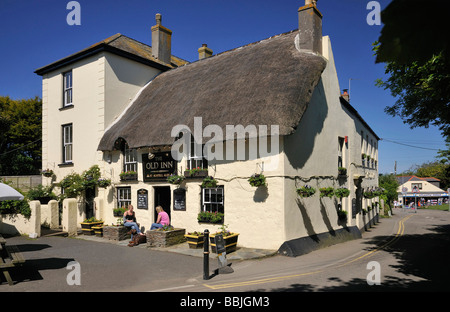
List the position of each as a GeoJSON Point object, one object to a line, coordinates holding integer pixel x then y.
{"type": "Point", "coordinates": [87, 224]}
{"type": "Point", "coordinates": [98, 230]}
{"type": "Point", "coordinates": [342, 215]}
{"type": "Point", "coordinates": [118, 212]}
{"type": "Point", "coordinates": [230, 239]}
{"type": "Point", "coordinates": [342, 171]}
{"type": "Point", "coordinates": [306, 191]}
{"type": "Point", "coordinates": [210, 217]}
{"type": "Point", "coordinates": [195, 239]}
{"type": "Point", "coordinates": [257, 180]}
{"type": "Point", "coordinates": [341, 192]}
{"type": "Point", "coordinates": [326, 192]}
{"type": "Point", "coordinates": [128, 175]}
{"type": "Point", "coordinates": [196, 173]}
{"type": "Point", "coordinates": [175, 179]}
{"type": "Point", "coordinates": [104, 183]}
{"type": "Point", "coordinates": [209, 182]}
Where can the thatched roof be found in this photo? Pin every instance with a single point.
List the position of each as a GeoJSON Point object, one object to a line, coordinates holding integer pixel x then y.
{"type": "Point", "coordinates": [265, 83]}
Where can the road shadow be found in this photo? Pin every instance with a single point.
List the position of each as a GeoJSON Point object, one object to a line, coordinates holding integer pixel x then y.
{"type": "Point", "coordinates": [423, 257]}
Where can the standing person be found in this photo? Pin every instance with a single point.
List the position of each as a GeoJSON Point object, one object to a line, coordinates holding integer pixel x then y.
{"type": "Point", "coordinates": [163, 219]}
{"type": "Point", "coordinates": [129, 220]}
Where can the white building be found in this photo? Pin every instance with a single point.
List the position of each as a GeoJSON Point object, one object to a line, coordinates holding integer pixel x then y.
{"type": "Point", "coordinates": [115, 105]}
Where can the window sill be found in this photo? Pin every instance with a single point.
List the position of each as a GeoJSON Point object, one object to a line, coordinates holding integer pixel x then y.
{"type": "Point", "coordinates": [68, 164]}
{"type": "Point", "coordinates": [66, 107]}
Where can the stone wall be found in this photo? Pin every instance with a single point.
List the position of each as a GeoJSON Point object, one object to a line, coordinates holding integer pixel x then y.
{"type": "Point", "coordinates": [157, 238]}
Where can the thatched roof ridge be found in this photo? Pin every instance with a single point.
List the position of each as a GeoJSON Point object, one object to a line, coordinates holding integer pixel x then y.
{"type": "Point", "coordinates": [269, 82]}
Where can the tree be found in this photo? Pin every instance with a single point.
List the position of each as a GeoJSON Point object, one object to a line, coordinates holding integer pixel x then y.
{"type": "Point", "coordinates": [20, 136]}
{"type": "Point", "coordinates": [416, 50]}
{"type": "Point", "coordinates": [390, 185]}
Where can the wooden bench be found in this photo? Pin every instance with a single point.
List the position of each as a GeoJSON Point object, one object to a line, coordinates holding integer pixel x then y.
{"type": "Point", "coordinates": [10, 257]}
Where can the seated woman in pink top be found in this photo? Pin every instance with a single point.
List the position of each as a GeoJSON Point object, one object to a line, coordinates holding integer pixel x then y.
{"type": "Point", "coordinates": [163, 219]}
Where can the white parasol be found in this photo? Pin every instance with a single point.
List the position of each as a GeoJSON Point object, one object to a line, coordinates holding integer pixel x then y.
{"type": "Point", "coordinates": [8, 193]}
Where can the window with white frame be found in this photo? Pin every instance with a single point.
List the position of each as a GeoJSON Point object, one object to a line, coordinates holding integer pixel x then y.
{"type": "Point", "coordinates": [67, 142]}
{"type": "Point", "coordinates": [130, 159]}
{"type": "Point", "coordinates": [212, 199]}
{"type": "Point", "coordinates": [67, 88]}
{"type": "Point", "coordinates": [196, 158]}
{"type": "Point", "coordinates": [123, 197]}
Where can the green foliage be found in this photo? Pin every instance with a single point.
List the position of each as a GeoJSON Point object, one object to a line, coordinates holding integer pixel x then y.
{"type": "Point", "coordinates": [422, 92]}
{"type": "Point", "coordinates": [92, 220]}
{"type": "Point", "coordinates": [209, 182]}
{"type": "Point", "coordinates": [20, 136]}
{"type": "Point", "coordinates": [306, 191]}
{"type": "Point", "coordinates": [15, 207]}
{"type": "Point", "coordinates": [75, 184]}
{"type": "Point", "coordinates": [341, 192]}
{"type": "Point", "coordinates": [390, 185]}
{"type": "Point", "coordinates": [212, 217]}
{"type": "Point", "coordinates": [257, 180]}
{"type": "Point", "coordinates": [326, 192]}
{"type": "Point", "coordinates": [41, 191]}
{"type": "Point", "coordinates": [175, 179]}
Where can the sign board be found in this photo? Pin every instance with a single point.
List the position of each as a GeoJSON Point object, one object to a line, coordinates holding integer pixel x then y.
{"type": "Point", "coordinates": [415, 189]}
{"type": "Point", "coordinates": [179, 199]}
{"type": "Point", "coordinates": [142, 199]}
{"type": "Point", "coordinates": [158, 166]}
{"type": "Point", "coordinates": [220, 243]}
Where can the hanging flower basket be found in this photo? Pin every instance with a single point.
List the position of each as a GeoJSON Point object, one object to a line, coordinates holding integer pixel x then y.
{"type": "Point", "coordinates": [326, 192]}
{"type": "Point", "coordinates": [104, 183]}
{"type": "Point", "coordinates": [209, 182]}
{"type": "Point", "coordinates": [47, 173]}
{"type": "Point", "coordinates": [257, 180]}
{"type": "Point", "coordinates": [306, 191]}
{"type": "Point", "coordinates": [175, 179]}
{"type": "Point", "coordinates": [342, 192]}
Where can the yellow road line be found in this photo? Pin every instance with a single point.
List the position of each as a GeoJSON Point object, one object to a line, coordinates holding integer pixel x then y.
{"type": "Point", "coordinates": [260, 281]}
{"type": "Point", "coordinates": [400, 232]}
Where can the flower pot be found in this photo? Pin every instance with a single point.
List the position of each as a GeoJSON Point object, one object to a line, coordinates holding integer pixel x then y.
{"type": "Point", "coordinates": [129, 177]}
{"type": "Point", "coordinates": [230, 242]}
{"type": "Point", "coordinates": [196, 174]}
{"type": "Point", "coordinates": [98, 230]}
{"type": "Point", "coordinates": [87, 227]}
{"type": "Point", "coordinates": [195, 241]}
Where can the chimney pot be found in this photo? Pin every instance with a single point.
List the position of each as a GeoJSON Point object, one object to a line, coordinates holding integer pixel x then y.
{"type": "Point", "coordinates": [161, 41]}
{"type": "Point", "coordinates": [204, 52]}
{"type": "Point", "coordinates": [345, 95]}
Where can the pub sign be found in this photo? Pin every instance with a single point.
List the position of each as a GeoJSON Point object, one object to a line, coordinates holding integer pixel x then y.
{"type": "Point", "coordinates": [158, 166]}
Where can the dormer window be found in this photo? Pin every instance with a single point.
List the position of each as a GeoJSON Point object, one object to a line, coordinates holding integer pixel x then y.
{"type": "Point", "coordinates": [67, 88]}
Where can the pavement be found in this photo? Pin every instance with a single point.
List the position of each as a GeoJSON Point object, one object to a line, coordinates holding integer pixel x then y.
{"type": "Point", "coordinates": [240, 253]}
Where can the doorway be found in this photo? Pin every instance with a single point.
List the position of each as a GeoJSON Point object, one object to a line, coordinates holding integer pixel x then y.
{"type": "Point", "coordinates": [89, 204]}
{"type": "Point", "coordinates": [163, 199]}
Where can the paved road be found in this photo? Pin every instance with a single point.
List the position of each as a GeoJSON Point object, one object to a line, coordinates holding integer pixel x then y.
{"type": "Point", "coordinates": [412, 250]}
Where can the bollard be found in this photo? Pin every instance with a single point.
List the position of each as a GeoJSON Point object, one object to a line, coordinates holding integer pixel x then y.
{"type": "Point", "coordinates": [206, 256]}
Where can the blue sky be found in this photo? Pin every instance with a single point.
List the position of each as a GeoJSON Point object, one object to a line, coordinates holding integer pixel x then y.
{"type": "Point", "coordinates": [35, 33]}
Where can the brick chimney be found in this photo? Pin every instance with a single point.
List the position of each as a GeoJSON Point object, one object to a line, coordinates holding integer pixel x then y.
{"type": "Point", "coordinates": [204, 52]}
{"type": "Point", "coordinates": [310, 27]}
{"type": "Point", "coordinates": [161, 41]}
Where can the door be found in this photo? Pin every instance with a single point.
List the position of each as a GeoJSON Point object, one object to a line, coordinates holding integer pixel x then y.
{"type": "Point", "coordinates": [90, 195]}
{"type": "Point", "coordinates": [162, 198]}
